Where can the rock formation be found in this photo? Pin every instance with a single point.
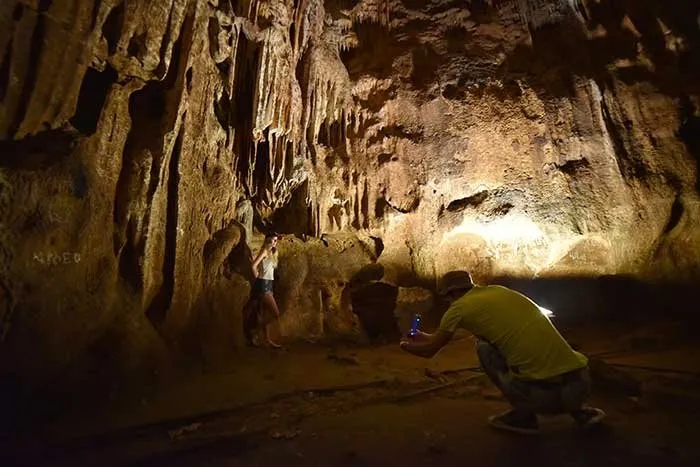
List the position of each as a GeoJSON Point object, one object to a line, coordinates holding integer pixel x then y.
{"type": "Point", "coordinates": [144, 145]}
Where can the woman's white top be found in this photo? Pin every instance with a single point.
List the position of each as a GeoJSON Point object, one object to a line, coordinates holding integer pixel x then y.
{"type": "Point", "coordinates": [266, 268]}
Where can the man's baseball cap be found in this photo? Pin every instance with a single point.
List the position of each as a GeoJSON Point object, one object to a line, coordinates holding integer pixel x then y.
{"type": "Point", "coordinates": [454, 280]}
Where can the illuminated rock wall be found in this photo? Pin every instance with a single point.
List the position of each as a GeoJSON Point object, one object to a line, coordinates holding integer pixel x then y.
{"type": "Point", "coordinates": [509, 139]}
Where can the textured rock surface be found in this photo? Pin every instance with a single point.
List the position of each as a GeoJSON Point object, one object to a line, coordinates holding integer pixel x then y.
{"type": "Point", "coordinates": [518, 153]}
{"type": "Point", "coordinates": [410, 302]}
{"type": "Point", "coordinates": [144, 144]}
{"type": "Point", "coordinates": [312, 287]}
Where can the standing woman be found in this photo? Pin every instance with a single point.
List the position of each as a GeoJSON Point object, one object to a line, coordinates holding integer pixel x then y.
{"type": "Point", "coordinates": [264, 267]}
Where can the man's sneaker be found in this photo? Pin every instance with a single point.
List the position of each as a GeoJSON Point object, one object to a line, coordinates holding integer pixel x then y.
{"type": "Point", "coordinates": [516, 422]}
{"type": "Point", "coordinates": [588, 417]}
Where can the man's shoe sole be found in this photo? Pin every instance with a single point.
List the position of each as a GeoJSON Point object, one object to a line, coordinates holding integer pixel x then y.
{"type": "Point", "coordinates": [594, 420]}
{"type": "Point", "coordinates": [496, 423]}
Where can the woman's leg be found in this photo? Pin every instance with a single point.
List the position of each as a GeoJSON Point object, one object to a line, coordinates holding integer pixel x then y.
{"type": "Point", "coordinates": [251, 312]}
{"type": "Point", "coordinates": [271, 305]}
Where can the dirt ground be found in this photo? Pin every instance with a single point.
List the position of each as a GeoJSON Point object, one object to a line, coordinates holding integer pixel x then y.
{"type": "Point", "coordinates": [315, 405]}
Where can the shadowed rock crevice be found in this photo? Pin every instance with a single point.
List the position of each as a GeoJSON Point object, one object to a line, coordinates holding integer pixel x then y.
{"type": "Point", "coordinates": [470, 201]}
{"type": "Point", "coordinates": [630, 163]}
{"type": "Point", "coordinates": [44, 5]}
{"type": "Point", "coordinates": [574, 166]}
{"type": "Point", "coordinates": [158, 308]}
{"type": "Point", "coordinates": [5, 70]}
{"type": "Point", "coordinates": [93, 92]}
{"type": "Point", "coordinates": [137, 46]}
{"type": "Point", "coordinates": [147, 109]}
{"type": "Point", "coordinates": [690, 133]}
{"type": "Point", "coordinates": [141, 238]}
{"type": "Point", "coordinates": [374, 304]}
{"type": "Point", "coordinates": [377, 50]}
{"type": "Point", "coordinates": [296, 216]}
{"type": "Point", "coordinates": [404, 208]}
{"type": "Point", "coordinates": [18, 12]}
{"type": "Point", "coordinates": [425, 66]}
{"type": "Point", "coordinates": [675, 215]}
{"type": "Point", "coordinates": [112, 27]}
{"type": "Point", "coordinates": [396, 131]}
{"type": "Point", "coordinates": [185, 33]}
{"type": "Point", "coordinates": [31, 73]}
{"type": "Point", "coordinates": [39, 151]}
{"type": "Point", "coordinates": [245, 78]}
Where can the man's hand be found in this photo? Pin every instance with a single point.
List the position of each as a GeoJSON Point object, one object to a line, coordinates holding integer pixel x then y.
{"type": "Point", "coordinates": [421, 336]}
{"type": "Point", "coordinates": [425, 345]}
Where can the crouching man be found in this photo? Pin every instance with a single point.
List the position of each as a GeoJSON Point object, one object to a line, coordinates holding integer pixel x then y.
{"type": "Point", "coordinates": [519, 349]}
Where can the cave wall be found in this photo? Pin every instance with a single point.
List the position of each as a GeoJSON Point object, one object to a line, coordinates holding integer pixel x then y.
{"type": "Point", "coordinates": [141, 141]}
{"type": "Point", "coordinates": [527, 139]}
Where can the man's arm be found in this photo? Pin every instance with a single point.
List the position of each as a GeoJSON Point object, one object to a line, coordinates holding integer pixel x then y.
{"type": "Point", "coordinates": [426, 345]}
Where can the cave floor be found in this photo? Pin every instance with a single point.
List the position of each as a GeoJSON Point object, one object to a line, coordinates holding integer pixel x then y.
{"type": "Point", "coordinates": [316, 405]}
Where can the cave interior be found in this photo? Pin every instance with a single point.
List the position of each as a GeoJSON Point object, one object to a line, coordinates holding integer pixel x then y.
{"type": "Point", "coordinates": [148, 147]}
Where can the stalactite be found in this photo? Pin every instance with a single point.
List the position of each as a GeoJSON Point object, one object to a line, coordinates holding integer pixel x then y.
{"type": "Point", "coordinates": [272, 144]}
{"type": "Point", "coordinates": [277, 111]}
{"type": "Point", "coordinates": [252, 161]}
{"type": "Point", "coordinates": [355, 120]}
{"type": "Point", "coordinates": [536, 13]}
{"type": "Point", "coordinates": [328, 99]}
{"type": "Point", "coordinates": [343, 127]}
{"type": "Point", "coordinates": [287, 118]}
{"type": "Point", "coordinates": [374, 11]}
{"type": "Point", "coordinates": [364, 204]}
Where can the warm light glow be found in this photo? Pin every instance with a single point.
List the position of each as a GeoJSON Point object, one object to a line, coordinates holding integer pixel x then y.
{"type": "Point", "coordinates": [511, 239]}
{"type": "Point", "coordinates": [512, 228]}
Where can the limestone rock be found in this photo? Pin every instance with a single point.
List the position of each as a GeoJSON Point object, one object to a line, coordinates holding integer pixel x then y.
{"type": "Point", "coordinates": [370, 273]}
{"type": "Point", "coordinates": [374, 305]}
{"type": "Point", "coordinates": [142, 141]}
{"type": "Point", "coordinates": [409, 302]}
{"type": "Point", "coordinates": [312, 287]}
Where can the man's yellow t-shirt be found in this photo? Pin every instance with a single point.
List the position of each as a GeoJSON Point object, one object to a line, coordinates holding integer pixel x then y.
{"type": "Point", "coordinates": [531, 345]}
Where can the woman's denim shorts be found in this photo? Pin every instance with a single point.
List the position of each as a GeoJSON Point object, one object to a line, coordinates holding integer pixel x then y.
{"type": "Point", "coordinates": [261, 287]}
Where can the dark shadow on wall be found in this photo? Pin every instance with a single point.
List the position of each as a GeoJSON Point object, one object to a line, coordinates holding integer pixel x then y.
{"type": "Point", "coordinates": [40, 151]}
{"type": "Point", "coordinates": [575, 302]}
{"type": "Point", "coordinates": [562, 51]}
{"type": "Point", "coordinates": [246, 66]}
{"type": "Point", "coordinates": [375, 55]}
{"type": "Point", "coordinates": [93, 94]}
{"type": "Point", "coordinates": [295, 217]}
{"type": "Point", "coordinates": [689, 132]}
{"type": "Point", "coordinates": [579, 301]}
{"type": "Point", "coordinates": [374, 305]}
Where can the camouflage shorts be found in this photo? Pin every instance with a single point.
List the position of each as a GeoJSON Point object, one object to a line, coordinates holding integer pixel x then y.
{"type": "Point", "coordinates": [563, 394]}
